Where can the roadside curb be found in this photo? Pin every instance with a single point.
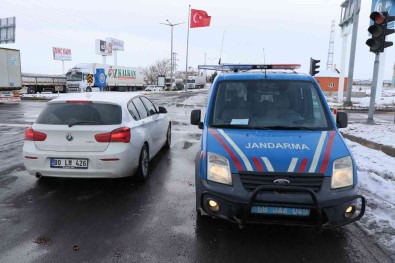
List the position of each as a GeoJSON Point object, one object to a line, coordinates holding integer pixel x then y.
{"type": "Point", "coordinates": [372, 145]}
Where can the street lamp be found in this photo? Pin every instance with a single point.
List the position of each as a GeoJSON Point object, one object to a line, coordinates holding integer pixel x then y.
{"type": "Point", "coordinates": [171, 49]}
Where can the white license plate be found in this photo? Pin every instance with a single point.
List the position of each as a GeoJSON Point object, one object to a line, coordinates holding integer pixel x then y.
{"type": "Point", "coordinates": [69, 163]}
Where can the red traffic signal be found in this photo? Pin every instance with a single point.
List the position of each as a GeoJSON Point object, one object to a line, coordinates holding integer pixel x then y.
{"type": "Point", "coordinates": [378, 18]}
{"type": "Point", "coordinates": [379, 31]}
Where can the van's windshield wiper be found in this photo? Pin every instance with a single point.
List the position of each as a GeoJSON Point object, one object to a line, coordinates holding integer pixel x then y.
{"type": "Point", "coordinates": [231, 126]}
{"type": "Point", "coordinates": [277, 127]}
{"type": "Point", "coordinates": [84, 122]}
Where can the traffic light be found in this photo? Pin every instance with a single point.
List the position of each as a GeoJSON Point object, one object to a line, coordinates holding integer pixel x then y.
{"type": "Point", "coordinates": [314, 66]}
{"type": "Point", "coordinates": [379, 31]}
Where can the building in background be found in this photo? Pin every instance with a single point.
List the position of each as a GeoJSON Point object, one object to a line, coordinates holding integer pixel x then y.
{"type": "Point", "coordinates": [329, 81]}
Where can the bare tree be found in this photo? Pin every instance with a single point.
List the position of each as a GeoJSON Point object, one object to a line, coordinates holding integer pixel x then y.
{"type": "Point", "coordinates": [160, 68]}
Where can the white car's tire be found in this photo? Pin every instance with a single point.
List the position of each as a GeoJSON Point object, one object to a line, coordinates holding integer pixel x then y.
{"type": "Point", "coordinates": [143, 168]}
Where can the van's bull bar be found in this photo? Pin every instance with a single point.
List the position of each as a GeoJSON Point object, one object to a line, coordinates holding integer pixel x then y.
{"type": "Point", "coordinates": [315, 206]}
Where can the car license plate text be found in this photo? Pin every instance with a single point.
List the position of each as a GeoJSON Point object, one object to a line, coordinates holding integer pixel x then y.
{"type": "Point", "coordinates": [287, 211]}
{"type": "Point", "coordinates": [69, 163]}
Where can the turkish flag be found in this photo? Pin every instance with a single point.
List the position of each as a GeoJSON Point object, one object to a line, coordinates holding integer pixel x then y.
{"type": "Point", "coordinates": [199, 18]}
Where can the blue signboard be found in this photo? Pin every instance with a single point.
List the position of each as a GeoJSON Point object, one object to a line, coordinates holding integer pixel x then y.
{"type": "Point", "coordinates": [389, 7]}
{"type": "Point", "coordinates": [100, 78]}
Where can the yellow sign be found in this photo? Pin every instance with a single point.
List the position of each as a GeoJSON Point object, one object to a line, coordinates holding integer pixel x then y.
{"type": "Point", "coordinates": [89, 78]}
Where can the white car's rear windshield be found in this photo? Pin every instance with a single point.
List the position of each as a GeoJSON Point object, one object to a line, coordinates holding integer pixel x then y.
{"type": "Point", "coordinates": [269, 104]}
{"type": "Point", "coordinates": [80, 114]}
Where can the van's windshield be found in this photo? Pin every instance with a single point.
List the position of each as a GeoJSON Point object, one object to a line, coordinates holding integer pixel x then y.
{"type": "Point", "coordinates": [263, 104]}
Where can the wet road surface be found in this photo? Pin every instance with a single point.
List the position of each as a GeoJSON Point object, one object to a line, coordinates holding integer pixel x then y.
{"type": "Point", "coordinates": [64, 220]}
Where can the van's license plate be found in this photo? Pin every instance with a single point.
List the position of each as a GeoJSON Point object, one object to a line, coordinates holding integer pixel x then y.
{"type": "Point", "coordinates": [69, 163]}
{"type": "Point", "coordinates": [286, 211]}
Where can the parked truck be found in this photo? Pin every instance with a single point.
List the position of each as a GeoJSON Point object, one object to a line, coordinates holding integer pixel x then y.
{"type": "Point", "coordinates": [91, 76]}
{"type": "Point", "coordinates": [10, 75]}
{"type": "Point", "coordinates": [196, 82]}
{"type": "Point", "coordinates": [43, 83]}
{"type": "Point", "coordinates": [178, 84]}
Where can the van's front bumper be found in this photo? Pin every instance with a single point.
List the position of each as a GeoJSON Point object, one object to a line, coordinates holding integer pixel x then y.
{"type": "Point", "coordinates": [327, 208]}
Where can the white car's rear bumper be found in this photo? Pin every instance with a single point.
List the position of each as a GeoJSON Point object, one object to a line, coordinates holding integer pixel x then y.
{"type": "Point", "coordinates": [114, 162]}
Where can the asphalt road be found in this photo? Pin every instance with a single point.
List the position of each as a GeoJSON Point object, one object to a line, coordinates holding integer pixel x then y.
{"type": "Point", "coordinates": [64, 220]}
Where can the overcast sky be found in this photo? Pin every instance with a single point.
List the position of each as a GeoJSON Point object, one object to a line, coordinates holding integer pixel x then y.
{"type": "Point", "coordinates": [289, 31]}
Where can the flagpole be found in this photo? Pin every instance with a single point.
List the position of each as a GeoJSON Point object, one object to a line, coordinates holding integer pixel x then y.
{"type": "Point", "coordinates": [222, 45]}
{"type": "Point", "coordinates": [186, 66]}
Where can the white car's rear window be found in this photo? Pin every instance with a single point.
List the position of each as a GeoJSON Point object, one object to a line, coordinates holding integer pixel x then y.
{"type": "Point", "coordinates": [80, 114]}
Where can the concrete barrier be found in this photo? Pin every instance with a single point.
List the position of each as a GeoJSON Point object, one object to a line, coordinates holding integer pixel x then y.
{"type": "Point", "coordinates": [372, 145]}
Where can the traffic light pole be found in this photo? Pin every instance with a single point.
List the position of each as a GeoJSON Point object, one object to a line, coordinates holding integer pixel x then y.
{"type": "Point", "coordinates": [374, 88]}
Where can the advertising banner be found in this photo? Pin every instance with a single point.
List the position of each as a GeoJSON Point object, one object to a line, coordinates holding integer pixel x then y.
{"type": "Point", "coordinates": [103, 48]}
{"type": "Point", "coordinates": [61, 53]}
{"type": "Point", "coordinates": [116, 43]}
{"type": "Point", "coordinates": [7, 30]}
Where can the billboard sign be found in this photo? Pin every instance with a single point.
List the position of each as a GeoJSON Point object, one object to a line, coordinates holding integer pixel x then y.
{"type": "Point", "coordinates": [7, 30]}
{"type": "Point", "coordinates": [61, 53]}
{"type": "Point", "coordinates": [389, 7]}
{"type": "Point", "coordinates": [161, 81]}
{"type": "Point", "coordinates": [103, 48]}
{"type": "Point", "coordinates": [116, 43]}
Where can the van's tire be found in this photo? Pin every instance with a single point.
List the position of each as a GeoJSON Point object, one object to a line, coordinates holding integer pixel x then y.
{"type": "Point", "coordinates": [143, 169]}
{"type": "Point", "coordinates": [88, 89]}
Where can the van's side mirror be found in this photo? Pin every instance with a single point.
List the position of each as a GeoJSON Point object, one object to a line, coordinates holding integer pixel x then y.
{"type": "Point", "coordinates": [162, 109]}
{"type": "Point", "coordinates": [195, 118]}
{"type": "Point", "coordinates": [341, 119]}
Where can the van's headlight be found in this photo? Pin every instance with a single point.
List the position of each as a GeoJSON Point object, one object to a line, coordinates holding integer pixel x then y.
{"type": "Point", "coordinates": [342, 173]}
{"type": "Point", "coordinates": [218, 169]}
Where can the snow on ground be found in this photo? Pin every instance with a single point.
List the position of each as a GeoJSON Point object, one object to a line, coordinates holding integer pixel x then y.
{"type": "Point", "coordinates": [387, 98]}
{"type": "Point", "coordinates": [377, 183]}
{"type": "Point", "coordinates": [383, 133]}
{"type": "Point", "coordinates": [50, 95]}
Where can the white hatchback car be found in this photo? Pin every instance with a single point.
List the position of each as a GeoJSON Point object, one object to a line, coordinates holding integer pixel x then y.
{"type": "Point", "coordinates": [96, 135]}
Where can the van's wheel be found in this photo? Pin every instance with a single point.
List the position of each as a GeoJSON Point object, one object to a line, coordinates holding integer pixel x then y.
{"type": "Point", "coordinates": [142, 170]}
{"type": "Point", "coordinates": [168, 137]}
{"type": "Point", "coordinates": [88, 89]}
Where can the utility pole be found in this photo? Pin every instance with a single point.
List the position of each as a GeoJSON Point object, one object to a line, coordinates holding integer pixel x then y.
{"type": "Point", "coordinates": [374, 87]}
{"type": "Point", "coordinates": [357, 8]}
{"type": "Point", "coordinates": [329, 61]}
{"type": "Point", "coordinates": [171, 49]}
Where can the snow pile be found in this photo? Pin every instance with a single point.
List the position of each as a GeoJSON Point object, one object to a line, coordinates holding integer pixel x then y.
{"type": "Point", "coordinates": [383, 133]}
{"type": "Point", "coordinates": [387, 98]}
{"type": "Point", "coordinates": [377, 183]}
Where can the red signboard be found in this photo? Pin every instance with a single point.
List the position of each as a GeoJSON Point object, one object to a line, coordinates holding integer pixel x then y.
{"type": "Point", "coordinates": [61, 53]}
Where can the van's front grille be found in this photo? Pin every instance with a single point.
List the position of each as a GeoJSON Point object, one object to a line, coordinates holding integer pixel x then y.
{"type": "Point", "coordinates": [251, 180]}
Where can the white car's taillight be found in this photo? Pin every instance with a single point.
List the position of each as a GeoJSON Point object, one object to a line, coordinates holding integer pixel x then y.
{"type": "Point", "coordinates": [32, 135]}
{"type": "Point", "coordinates": [117, 135]}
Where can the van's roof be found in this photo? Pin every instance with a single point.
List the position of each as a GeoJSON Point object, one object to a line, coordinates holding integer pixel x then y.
{"type": "Point", "coordinates": [260, 75]}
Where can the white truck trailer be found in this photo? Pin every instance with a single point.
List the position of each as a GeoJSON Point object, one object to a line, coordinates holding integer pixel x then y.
{"type": "Point", "coordinates": [196, 82]}
{"type": "Point", "coordinates": [10, 75]}
{"type": "Point", "coordinates": [93, 76]}
{"type": "Point", "coordinates": [43, 83]}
